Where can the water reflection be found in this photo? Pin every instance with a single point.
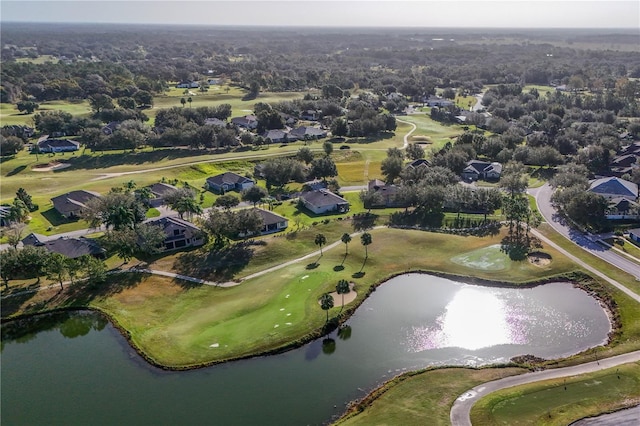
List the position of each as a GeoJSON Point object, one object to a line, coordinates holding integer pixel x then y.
{"type": "Point", "coordinates": [472, 320]}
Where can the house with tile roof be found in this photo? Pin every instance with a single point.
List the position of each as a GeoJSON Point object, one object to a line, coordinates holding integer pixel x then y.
{"type": "Point", "coordinates": [72, 204]}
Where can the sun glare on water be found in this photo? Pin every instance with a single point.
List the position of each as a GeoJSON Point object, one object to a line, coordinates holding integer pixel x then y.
{"type": "Point", "coordinates": [472, 320]}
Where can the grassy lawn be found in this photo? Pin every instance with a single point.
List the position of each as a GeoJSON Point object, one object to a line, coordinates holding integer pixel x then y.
{"type": "Point", "coordinates": [435, 133]}
{"type": "Point", "coordinates": [420, 398]}
{"type": "Point", "coordinates": [9, 114]}
{"type": "Point", "coordinates": [561, 401]}
{"type": "Point", "coordinates": [176, 323]}
{"type": "Point", "coordinates": [217, 95]}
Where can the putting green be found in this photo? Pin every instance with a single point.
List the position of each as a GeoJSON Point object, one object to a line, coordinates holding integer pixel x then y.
{"type": "Point", "coordinates": [487, 258]}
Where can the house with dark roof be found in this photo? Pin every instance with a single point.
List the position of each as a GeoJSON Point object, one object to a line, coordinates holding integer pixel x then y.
{"type": "Point", "coordinates": [110, 127]}
{"type": "Point", "coordinates": [420, 162]}
{"type": "Point", "coordinates": [621, 208]}
{"type": "Point", "coordinates": [248, 122]}
{"type": "Point", "coordinates": [324, 201]}
{"type": "Point", "coordinates": [159, 191]}
{"type": "Point", "coordinates": [634, 234]}
{"type": "Point", "coordinates": [276, 136]}
{"type": "Point", "coordinates": [308, 132]}
{"type": "Point", "coordinates": [5, 212]}
{"type": "Point", "coordinates": [387, 194]}
{"type": "Point", "coordinates": [58, 145]}
{"type": "Point", "coordinates": [436, 101]}
{"type": "Point", "coordinates": [272, 222]}
{"type": "Point", "coordinates": [69, 247]}
{"type": "Point", "coordinates": [71, 204]}
{"type": "Point", "coordinates": [178, 233]}
{"type": "Point", "coordinates": [228, 181]}
{"type": "Point", "coordinates": [614, 187]}
{"type": "Point", "coordinates": [311, 115]}
{"type": "Point", "coordinates": [188, 85]}
{"type": "Point", "coordinates": [477, 169]}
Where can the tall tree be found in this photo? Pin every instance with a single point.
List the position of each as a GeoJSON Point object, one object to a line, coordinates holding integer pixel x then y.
{"type": "Point", "coordinates": [366, 240]}
{"type": "Point", "coordinates": [13, 233]}
{"type": "Point", "coordinates": [391, 168]}
{"type": "Point", "coordinates": [326, 303]}
{"type": "Point", "coordinates": [23, 196]}
{"type": "Point", "coordinates": [56, 268]}
{"type": "Point", "coordinates": [9, 265]}
{"type": "Point", "coordinates": [327, 148]}
{"type": "Point", "coordinates": [305, 154]}
{"type": "Point", "coordinates": [343, 288]}
{"type": "Point", "coordinates": [183, 101]}
{"type": "Point", "coordinates": [254, 194]}
{"type": "Point", "coordinates": [226, 201]}
{"type": "Point", "coordinates": [346, 239]}
{"type": "Point", "coordinates": [320, 240]}
{"type": "Point", "coordinates": [122, 242]}
{"type": "Point", "coordinates": [18, 211]}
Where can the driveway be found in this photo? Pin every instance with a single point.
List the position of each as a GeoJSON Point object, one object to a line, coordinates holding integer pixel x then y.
{"type": "Point", "coordinates": [586, 242]}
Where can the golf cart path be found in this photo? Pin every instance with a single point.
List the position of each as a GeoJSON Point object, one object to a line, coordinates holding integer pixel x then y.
{"type": "Point", "coordinates": [141, 269]}
{"type": "Point", "coordinates": [461, 409]}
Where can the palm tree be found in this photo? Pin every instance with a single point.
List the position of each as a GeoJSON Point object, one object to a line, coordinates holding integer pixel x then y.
{"type": "Point", "coordinates": [187, 205]}
{"type": "Point", "coordinates": [129, 187]}
{"type": "Point", "coordinates": [326, 303]}
{"type": "Point", "coordinates": [320, 241]}
{"type": "Point", "coordinates": [342, 288]}
{"type": "Point", "coordinates": [366, 239]}
{"type": "Point", "coordinates": [183, 101]}
{"type": "Point", "coordinates": [346, 239]}
{"type": "Point", "coordinates": [189, 100]}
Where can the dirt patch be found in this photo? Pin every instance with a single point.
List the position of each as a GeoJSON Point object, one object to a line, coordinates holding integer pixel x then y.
{"type": "Point", "coordinates": [539, 258]}
{"type": "Point", "coordinates": [54, 165]}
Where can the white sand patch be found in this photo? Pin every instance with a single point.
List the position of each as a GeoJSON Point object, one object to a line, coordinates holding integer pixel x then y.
{"type": "Point", "coordinates": [215, 345]}
{"type": "Point", "coordinates": [287, 296]}
{"type": "Point", "coordinates": [51, 168]}
{"type": "Point", "coordinates": [288, 323]}
{"type": "Point", "coordinates": [289, 314]}
{"type": "Point", "coordinates": [282, 309]}
{"type": "Point", "coordinates": [276, 326]}
{"type": "Point", "coordinates": [305, 277]}
{"type": "Point", "coordinates": [247, 110]}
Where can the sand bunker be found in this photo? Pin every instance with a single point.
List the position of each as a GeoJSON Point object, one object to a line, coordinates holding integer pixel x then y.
{"type": "Point", "coordinates": [539, 258]}
{"type": "Point", "coordinates": [50, 167]}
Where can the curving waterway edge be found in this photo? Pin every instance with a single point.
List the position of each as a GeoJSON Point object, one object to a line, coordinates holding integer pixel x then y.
{"type": "Point", "coordinates": [577, 279]}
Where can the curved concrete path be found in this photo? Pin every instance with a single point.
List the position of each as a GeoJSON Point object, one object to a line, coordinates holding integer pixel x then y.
{"type": "Point", "coordinates": [461, 409]}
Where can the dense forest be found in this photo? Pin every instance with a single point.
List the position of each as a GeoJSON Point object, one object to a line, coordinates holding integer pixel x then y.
{"type": "Point", "coordinates": [588, 116]}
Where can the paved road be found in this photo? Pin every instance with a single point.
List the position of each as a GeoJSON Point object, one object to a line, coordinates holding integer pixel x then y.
{"type": "Point", "coordinates": [459, 415]}
{"type": "Point", "coordinates": [628, 417]}
{"type": "Point", "coordinates": [587, 243]}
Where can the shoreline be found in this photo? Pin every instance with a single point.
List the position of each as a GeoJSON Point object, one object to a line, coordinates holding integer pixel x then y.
{"type": "Point", "coordinates": [577, 279]}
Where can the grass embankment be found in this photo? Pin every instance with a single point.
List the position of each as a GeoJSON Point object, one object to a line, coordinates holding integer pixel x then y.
{"type": "Point", "coordinates": [422, 397]}
{"type": "Point", "coordinates": [175, 324]}
{"type": "Point", "coordinates": [627, 339]}
{"type": "Point", "coordinates": [561, 401]}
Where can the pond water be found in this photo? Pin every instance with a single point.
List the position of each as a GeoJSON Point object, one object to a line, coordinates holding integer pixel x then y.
{"type": "Point", "coordinates": [77, 369]}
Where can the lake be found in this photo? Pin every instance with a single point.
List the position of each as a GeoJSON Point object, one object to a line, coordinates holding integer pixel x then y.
{"type": "Point", "coordinates": [77, 369]}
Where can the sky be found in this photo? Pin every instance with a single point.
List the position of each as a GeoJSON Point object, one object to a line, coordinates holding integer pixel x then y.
{"type": "Point", "coordinates": [333, 13]}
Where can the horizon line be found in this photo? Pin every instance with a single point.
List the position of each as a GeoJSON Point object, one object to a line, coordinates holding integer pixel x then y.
{"type": "Point", "coordinates": [286, 26]}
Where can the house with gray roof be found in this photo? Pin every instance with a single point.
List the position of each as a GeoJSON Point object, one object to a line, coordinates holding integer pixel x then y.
{"type": "Point", "coordinates": [477, 169]}
{"type": "Point", "coordinates": [324, 201]}
{"type": "Point", "coordinates": [308, 132]}
{"type": "Point", "coordinates": [248, 122]}
{"type": "Point", "coordinates": [216, 122]}
{"type": "Point", "coordinates": [66, 246]}
{"type": "Point", "coordinates": [71, 204]}
{"type": "Point", "coordinates": [178, 233]}
{"type": "Point", "coordinates": [276, 136]}
{"type": "Point", "coordinates": [58, 145]}
{"type": "Point", "coordinates": [272, 222]}
{"type": "Point", "coordinates": [614, 187]}
{"type": "Point", "coordinates": [387, 194]}
{"type": "Point", "coordinates": [228, 181]}
{"type": "Point", "coordinates": [159, 191]}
